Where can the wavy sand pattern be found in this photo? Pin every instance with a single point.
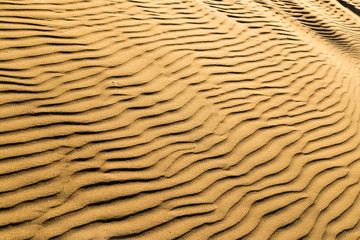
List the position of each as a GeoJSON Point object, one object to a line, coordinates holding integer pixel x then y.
{"type": "Point", "coordinates": [180, 119]}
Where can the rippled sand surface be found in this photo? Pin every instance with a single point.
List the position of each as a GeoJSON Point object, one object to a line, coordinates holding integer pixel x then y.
{"type": "Point", "coordinates": [179, 119]}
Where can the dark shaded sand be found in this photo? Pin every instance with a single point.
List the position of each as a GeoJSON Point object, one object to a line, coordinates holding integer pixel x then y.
{"type": "Point", "coordinates": [188, 119]}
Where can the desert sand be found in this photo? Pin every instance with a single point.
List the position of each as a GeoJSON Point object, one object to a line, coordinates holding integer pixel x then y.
{"type": "Point", "coordinates": [180, 119]}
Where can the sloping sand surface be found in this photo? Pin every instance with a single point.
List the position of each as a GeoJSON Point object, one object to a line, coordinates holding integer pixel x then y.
{"type": "Point", "coordinates": [180, 119]}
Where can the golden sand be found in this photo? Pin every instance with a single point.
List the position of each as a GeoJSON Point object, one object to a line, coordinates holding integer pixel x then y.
{"type": "Point", "coordinates": [180, 119]}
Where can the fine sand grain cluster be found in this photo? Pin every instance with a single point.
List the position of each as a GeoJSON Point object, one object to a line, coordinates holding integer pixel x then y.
{"type": "Point", "coordinates": [179, 119]}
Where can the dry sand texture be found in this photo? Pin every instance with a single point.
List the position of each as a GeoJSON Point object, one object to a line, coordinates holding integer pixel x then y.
{"type": "Point", "coordinates": [180, 119]}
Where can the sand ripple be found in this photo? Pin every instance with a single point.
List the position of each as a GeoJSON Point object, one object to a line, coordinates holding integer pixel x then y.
{"type": "Point", "coordinates": [180, 119]}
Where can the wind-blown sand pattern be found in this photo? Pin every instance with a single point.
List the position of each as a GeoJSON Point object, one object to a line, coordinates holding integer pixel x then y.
{"type": "Point", "coordinates": [180, 119]}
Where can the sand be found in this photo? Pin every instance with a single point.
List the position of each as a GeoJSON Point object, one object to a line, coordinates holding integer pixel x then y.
{"type": "Point", "coordinates": [180, 119]}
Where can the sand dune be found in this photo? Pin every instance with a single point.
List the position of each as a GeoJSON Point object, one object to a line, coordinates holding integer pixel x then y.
{"type": "Point", "coordinates": [180, 119]}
